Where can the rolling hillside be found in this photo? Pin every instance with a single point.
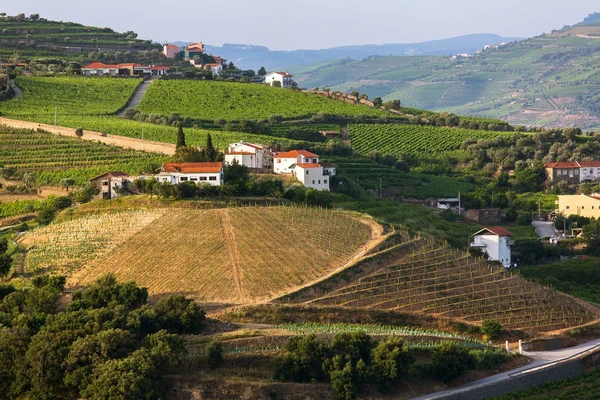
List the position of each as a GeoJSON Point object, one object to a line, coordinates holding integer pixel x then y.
{"type": "Point", "coordinates": [551, 80]}
{"type": "Point", "coordinates": [231, 255]}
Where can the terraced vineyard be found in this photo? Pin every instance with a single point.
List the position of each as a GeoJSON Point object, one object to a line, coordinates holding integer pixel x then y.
{"type": "Point", "coordinates": [53, 157]}
{"type": "Point", "coordinates": [236, 255]}
{"type": "Point", "coordinates": [371, 175]}
{"type": "Point", "coordinates": [416, 140]}
{"type": "Point", "coordinates": [445, 282]}
{"type": "Point", "coordinates": [42, 97]}
{"type": "Point", "coordinates": [208, 101]}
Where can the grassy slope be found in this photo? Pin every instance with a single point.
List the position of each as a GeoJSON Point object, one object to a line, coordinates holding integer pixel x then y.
{"type": "Point", "coordinates": [241, 254]}
{"type": "Point", "coordinates": [543, 75]}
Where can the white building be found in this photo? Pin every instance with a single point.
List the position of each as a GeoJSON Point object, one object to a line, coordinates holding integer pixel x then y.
{"type": "Point", "coordinates": [284, 163]}
{"type": "Point", "coordinates": [100, 69]}
{"type": "Point", "coordinates": [207, 172]}
{"type": "Point", "coordinates": [282, 77]}
{"type": "Point", "coordinates": [111, 183]}
{"type": "Point", "coordinates": [312, 176]}
{"type": "Point", "coordinates": [252, 155]}
{"type": "Point", "coordinates": [495, 242]}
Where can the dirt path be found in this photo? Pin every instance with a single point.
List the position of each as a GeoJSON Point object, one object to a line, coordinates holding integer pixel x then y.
{"type": "Point", "coordinates": [120, 141]}
{"type": "Point", "coordinates": [137, 97]}
{"type": "Point", "coordinates": [232, 252]}
{"type": "Point", "coordinates": [18, 91]}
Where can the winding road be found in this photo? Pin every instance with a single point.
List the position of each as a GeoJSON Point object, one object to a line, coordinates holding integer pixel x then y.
{"type": "Point", "coordinates": [18, 91]}
{"type": "Point", "coordinates": [137, 97]}
{"type": "Point", "coordinates": [540, 361]}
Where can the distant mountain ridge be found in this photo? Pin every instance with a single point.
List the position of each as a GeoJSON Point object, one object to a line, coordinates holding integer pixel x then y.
{"type": "Point", "coordinates": [253, 57]}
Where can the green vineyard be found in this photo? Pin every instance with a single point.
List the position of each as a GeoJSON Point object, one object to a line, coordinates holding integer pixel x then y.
{"type": "Point", "coordinates": [415, 140]}
{"type": "Point", "coordinates": [45, 97]}
{"type": "Point", "coordinates": [208, 101]}
{"type": "Point", "coordinates": [52, 158]}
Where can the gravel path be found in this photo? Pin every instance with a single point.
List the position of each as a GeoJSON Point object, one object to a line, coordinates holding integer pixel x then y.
{"type": "Point", "coordinates": [18, 91]}
{"type": "Point", "coordinates": [137, 97]}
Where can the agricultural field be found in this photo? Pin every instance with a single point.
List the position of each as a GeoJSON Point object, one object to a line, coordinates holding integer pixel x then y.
{"type": "Point", "coordinates": [445, 282]}
{"type": "Point", "coordinates": [45, 96]}
{"type": "Point", "coordinates": [208, 101]}
{"type": "Point", "coordinates": [231, 255]}
{"type": "Point", "coordinates": [371, 175]}
{"type": "Point", "coordinates": [52, 158]}
{"type": "Point", "coordinates": [415, 140]}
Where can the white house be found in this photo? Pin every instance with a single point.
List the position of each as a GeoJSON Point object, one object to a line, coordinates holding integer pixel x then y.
{"type": "Point", "coordinates": [495, 242]}
{"type": "Point", "coordinates": [283, 163]}
{"type": "Point", "coordinates": [312, 176]}
{"type": "Point", "coordinates": [252, 155]}
{"type": "Point", "coordinates": [207, 172]}
{"type": "Point", "coordinates": [282, 77]}
{"type": "Point", "coordinates": [111, 183]}
{"type": "Point", "coordinates": [98, 68]}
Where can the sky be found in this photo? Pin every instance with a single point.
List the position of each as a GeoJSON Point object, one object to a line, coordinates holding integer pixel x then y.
{"type": "Point", "coordinates": [313, 24]}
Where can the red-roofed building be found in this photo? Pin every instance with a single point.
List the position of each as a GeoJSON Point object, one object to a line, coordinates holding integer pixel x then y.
{"type": "Point", "coordinates": [125, 69]}
{"type": "Point", "coordinates": [110, 184]}
{"type": "Point", "coordinates": [206, 172]}
{"type": "Point", "coordinates": [495, 242]}
{"type": "Point", "coordinates": [283, 78]}
{"type": "Point", "coordinates": [283, 163]}
{"type": "Point", "coordinates": [98, 68]}
{"type": "Point", "coordinates": [312, 175]}
{"type": "Point", "coordinates": [170, 50]}
{"type": "Point", "coordinates": [252, 155]}
{"type": "Point", "coordinates": [573, 172]}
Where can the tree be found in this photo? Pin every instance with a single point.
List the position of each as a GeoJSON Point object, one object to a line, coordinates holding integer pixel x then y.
{"type": "Point", "coordinates": [3, 245]}
{"type": "Point", "coordinates": [34, 17]}
{"type": "Point", "coordinates": [377, 101]}
{"type": "Point", "coordinates": [391, 362]}
{"type": "Point", "coordinates": [209, 149]}
{"type": "Point", "coordinates": [188, 154]}
{"type": "Point", "coordinates": [5, 264]}
{"type": "Point", "coordinates": [236, 173]}
{"type": "Point", "coordinates": [215, 354]}
{"type": "Point", "coordinates": [491, 328]}
{"type": "Point", "coordinates": [180, 137]}
{"type": "Point", "coordinates": [591, 234]}
{"type": "Point", "coordinates": [262, 71]}
{"type": "Point", "coordinates": [67, 183]}
{"type": "Point", "coordinates": [79, 132]}
{"type": "Point", "coordinates": [178, 314]}
{"type": "Point", "coordinates": [46, 215]}
{"type": "Point", "coordinates": [449, 360]}
{"type": "Point", "coordinates": [303, 360]}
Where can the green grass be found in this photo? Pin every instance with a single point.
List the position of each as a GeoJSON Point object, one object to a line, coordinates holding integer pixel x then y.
{"type": "Point", "coordinates": [416, 140]}
{"type": "Point", "coordinates": [42, 97]}
{"type": "Point", "coordinates": [208, 101]}
{"type": "Point", "coordinates": [521, 232]}
{"type": "Point", "coordinates": [52, 158]}
{"type": "Point", "coordinates": [580, 278]}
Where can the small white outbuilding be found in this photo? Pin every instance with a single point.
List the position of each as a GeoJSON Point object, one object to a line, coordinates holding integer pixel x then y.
{"type": "Point", "coordinates": [495, 242]}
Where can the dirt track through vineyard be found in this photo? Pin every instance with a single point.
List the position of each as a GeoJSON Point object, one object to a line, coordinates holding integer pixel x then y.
{"type": "Point", "coordinates": [232, 251]}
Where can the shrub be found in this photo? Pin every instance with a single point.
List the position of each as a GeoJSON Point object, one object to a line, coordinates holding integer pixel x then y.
{"type": "Point", "coordinates": [491, 328]}
{"type": "Point", "coordinates": [79, 132]}
{"type": "Point", "coordinates": [450, 360]}
{"type": "Point", "coordinates": [391, 362]}
{"type": "Point", "coordinates": [215, 354]}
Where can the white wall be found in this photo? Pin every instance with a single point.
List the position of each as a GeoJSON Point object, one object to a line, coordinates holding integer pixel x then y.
{"type": "Point", "coordinates": [213, 179]}
{"type": "Point", "coordinates": [496, 247]}
{"type": "Point", "coordinates": [282, 165]}
{"type": "Point", "coordinates": [313, 178]}
{"type": "Point", "coordinates": [248, 160]}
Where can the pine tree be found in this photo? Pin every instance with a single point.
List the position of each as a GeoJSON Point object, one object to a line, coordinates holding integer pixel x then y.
{"type": "Point", "coordinates": [211, 152]}
{"type": "Point", "coordinates": [180, 137]}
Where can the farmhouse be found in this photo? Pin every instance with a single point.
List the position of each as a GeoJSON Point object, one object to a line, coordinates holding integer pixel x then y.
{"type": "Point", "coordinates": [312, 175]}
{"type": "Point", "coordinates": [111, 183]}
{"type": "Point", "coordinates": [573, 172]}
{"type": "Point", "coordinates": [252, 155]}
{"type": "Point", "coordinates": [283, 78]}
{"type": "Point", "coordinates": [284, 163]}
{"type": "Point", "coordinates": [583, 205]}
{"type": "Point", "coordinates": [126, 69]}
{"type": "Point", "coordinates": [207, 172]}
{"type": "Point", "coordinates": [170, 50]}
{"type": "Point", "coordinates": [495, 242]}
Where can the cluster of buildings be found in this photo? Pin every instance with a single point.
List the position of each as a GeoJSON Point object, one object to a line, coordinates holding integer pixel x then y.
{"type": "Point", "coordinates": [573, 172]}
{"type": "Point", "coordinates": [127, 69]}
{"type": "Point", "coordinates": [301, 164]}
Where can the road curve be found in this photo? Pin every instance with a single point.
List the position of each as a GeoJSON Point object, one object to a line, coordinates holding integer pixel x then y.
{"type": "Point", "coordinates": [540, 360]}
{"type": "Point", "coordinates": [18, 91]}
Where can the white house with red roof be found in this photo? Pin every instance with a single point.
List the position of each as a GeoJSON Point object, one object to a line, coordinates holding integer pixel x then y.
{"type": "Point", "coordinates": [284, 163]}
{"type": "Point", "coordinates": [573, 172]}
{"type": "Point", "coordinates": [204, 172]}
{"type": "Point", "coordinates": [282, 77]}
{"type": "Point", "coordinates": [495, 242]}
{"type": "Point", "coordinates": [252, 155]}
{"type": "Point", "coordinates": [312, 175]}
{"type": "Point", "coordinates": [125, 69]}
{"type": "Point", "coordinates": [98, 68]}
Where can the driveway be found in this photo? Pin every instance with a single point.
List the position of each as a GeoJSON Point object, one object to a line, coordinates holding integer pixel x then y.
{"type": "Point", "coordinates": [544, 229]}
{"type": "Point", "coordinates": [540, 360]}
{"type": "Point", "coordinates": [137, 97]}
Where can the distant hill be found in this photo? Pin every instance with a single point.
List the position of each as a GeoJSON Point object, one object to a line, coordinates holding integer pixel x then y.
{"type": "Point", "coordinates": [37, 37]}
{"type": "Point", "coordinates": [551, 80]}
{"type": "Point", "coordinates": [253, 57]}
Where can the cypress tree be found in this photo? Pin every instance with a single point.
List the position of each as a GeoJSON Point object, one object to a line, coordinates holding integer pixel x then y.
{"type": "Point", "coordinates": [180, 137]}
{"type": "Point", "coordinates": [211, 152]}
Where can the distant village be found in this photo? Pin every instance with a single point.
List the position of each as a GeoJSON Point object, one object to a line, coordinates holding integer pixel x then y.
{"type": "Point", "coordinates": [195, 54]}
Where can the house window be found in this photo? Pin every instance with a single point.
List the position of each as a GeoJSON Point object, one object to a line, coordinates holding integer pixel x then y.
{"type": "Point", "coordinates": [307, 172]}
{"type": "Point", "coordinates": [324, 180]}
{"type": "Point", "coordinates": [568, 207]}
{"type": "Point", "coordinates": [583, 207]}
{"type": "Point", "coordinates": [319, 181]}
{"type": "Point", "coordinates": [183, 178]}
{"type": "Point", "coordinates": [279, 160]}
{"type": "Point", "coordinates": [212, 178]}
{"type": "Point", "coordinates": [194, 179]}
{"type": "Point", "coordinates": [313, 182]}
{"type": "Point", "coordinates": [202, 178]}
{"type": "Point", "coordinates": [105, 183]}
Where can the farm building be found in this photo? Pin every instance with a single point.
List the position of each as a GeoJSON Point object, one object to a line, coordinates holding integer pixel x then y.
{"type": "Point", "coordinates": [252, 155]}
{"type": "Point", "coordinates": [193, 49]}
{"type": "Point", "coordinates": [313, 175]}
{"type": "Point", "coordinates": [573, 172]}
{"type": "Point", "coordinates": [283, 78]}
{"type": "Point", "coordinates": [111, 183]}
{"type": "Point", "coordinates": [283, 163]}
{"type": "Point", "coordinates": [330, 134]}
{"type": "Point", "coordinates": [206, 172]}
{"type": "Point", "coordinates": [170, 50]}
{"type": "Point", "coordinates": [495, 242]}
{"type": "Point", "coordinates": [126, 69]}
{"type": "Point", "coordinates": [580, 204]}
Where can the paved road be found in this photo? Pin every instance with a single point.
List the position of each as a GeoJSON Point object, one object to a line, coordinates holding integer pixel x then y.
{"type": "Point", "coordinates": [539, 359]}
{"type": "Point", "coordinates": [137, 97]}
{"type": "Point", "coordinates": [544, 229]}
{"type": "Point", "coordinates": [18, 91]}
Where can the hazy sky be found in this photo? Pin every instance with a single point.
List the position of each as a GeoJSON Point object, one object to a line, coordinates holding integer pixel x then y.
{"type": "Point", "coordinates": [313, 24]}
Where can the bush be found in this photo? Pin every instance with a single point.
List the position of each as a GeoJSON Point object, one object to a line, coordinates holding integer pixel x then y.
{"type": "Point", "coordinates": [488, 358]}
{"type": "Point", "coordinates": [215, 354]}
{"type": "Point", "coordinates": [302, 361]}
{"type": "Point", "coordinates": [491, 328]}
{"type": "Point", "coordinates": [391, 362]}
{"type": "Point", "coordinates": [79, 132]}
{"type": "Point", "coordinates": [450, 360]}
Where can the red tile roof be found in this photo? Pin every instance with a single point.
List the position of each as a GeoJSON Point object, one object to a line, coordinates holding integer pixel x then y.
{"type": "Point", "coordinates": [590, 164]}
{"type": "Point", "coordinates": [496, 230]}
{"type": "Point", "coordinates": [309, 165]}
{"type": "Point", "coordinates": [254, 146]}
{"type": "Point", "coordinates": [284, 74]}
{"type": "Point", "coordinates": [569, 164]}
{"type": "Point", "coordinates": [99, 65]}
{"type": "Point", "coordinates": [240, 153]}
{"type": "Point", "coordinates": [114, 174]}
{"type": "Point", "coordinates": [159, 68]}
{"type": "Point", "coordinates": [296, 153]}
{"type": "Point", "coordinates": [170, 46]}
{"type": "Point", "coordinates": [205, 167]}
